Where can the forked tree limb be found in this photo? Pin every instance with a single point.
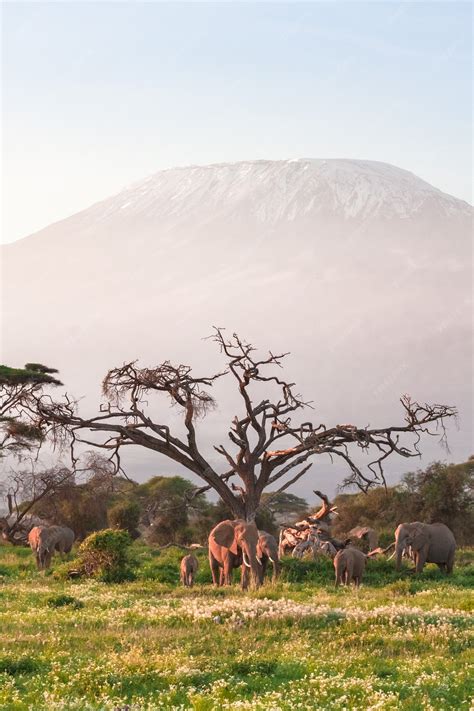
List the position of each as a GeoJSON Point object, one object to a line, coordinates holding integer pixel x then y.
{"type": "Point", "coordinates": [127, 418]}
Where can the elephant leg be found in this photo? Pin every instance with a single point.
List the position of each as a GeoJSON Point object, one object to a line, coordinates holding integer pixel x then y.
{"type": "Point", "coordinates": [42, 557]}
{"type": "Point", "coordinates": [228, 571]}
{"type": "Point", "coordinates": [420, 560]}
{"type": "Point", "coordinates": [263, 568]}
{"type": "Point", "coordinates": [450, 563]}
{"type": "Point", "coordinates": [244, 577]}
{"type": "Point", "coordinates": [47, 559]}
{"type": "Point", "coordinates": [215, 571]}
{"type": "Point", "coordinates": [349, 573]}
{"type": "Point", "coordinates": [276, 571]}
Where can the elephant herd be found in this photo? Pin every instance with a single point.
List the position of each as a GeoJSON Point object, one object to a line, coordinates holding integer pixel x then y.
{"type": "Point", "coordinates": [239, 544]}
{"type": "Point", "coordinates": [422, 542]}
{"type": "Point", "coordinates": [236, 544]}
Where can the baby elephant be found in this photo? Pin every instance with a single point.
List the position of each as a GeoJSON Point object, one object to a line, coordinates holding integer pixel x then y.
{"type": "Point", "coordinates": [349, 564]}
{"type": "Point", "coordinates": [189, 568]}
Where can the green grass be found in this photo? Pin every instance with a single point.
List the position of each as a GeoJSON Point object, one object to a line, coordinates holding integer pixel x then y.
{"type": "Point", "coordinates": [399, 642]}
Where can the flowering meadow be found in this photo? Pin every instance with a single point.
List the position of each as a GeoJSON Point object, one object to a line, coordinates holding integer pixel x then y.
{"type": "Point", "coordinates": [399, 642]}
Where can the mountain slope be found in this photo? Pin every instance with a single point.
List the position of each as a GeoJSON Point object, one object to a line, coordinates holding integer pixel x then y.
{"type": "Point", "coordinates": [361, 269]}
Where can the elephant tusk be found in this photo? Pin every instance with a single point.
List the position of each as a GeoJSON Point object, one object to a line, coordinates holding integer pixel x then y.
{"type": "Point", "coordinates": [245, 561]}
{"type": "Point", "coordinates": [271, 559]}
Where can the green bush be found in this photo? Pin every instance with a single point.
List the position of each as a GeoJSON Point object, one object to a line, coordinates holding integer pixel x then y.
{"type": "Point", "coordinates": [161, 572]}
{"type": "Point", "coordinates": [300, 571]}
{"type": "Point", "coordinates": [125, 515]}
{"type": "Point", "coordinates": [64, 600]}
{"type": "Point", "coordinates": [19, 665]}
{"type": "Point", "coordinates": [105, 555]}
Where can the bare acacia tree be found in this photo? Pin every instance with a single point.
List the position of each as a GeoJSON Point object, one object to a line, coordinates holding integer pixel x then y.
{"type": "Point", "coordinates": [265, 447]}
{"type": "Point", "coordinates": [24, 489]}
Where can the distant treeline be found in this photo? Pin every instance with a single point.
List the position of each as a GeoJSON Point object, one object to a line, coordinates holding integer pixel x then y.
{"type": "Point", "coordinates": [166, 509]}
{"type": "Point", "coordinates": [440, 493]}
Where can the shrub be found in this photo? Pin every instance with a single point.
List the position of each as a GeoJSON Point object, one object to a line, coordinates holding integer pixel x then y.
{"type": "Point", "coordinates": [161, 572]}
{"type": "Point", "coordinates": [314, 571]}
{"type": "Point", "coordinates": [125, 515]}
{"type": "Point", "coordinates": [105, 555]}
{"type": "Point", "coordinates": [63, 601]}
{"type": "Point", "coordinates": [20, 665]}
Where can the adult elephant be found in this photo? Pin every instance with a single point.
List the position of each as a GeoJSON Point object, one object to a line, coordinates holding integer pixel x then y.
{"type": "Point", "coordinates": [234, 543]}
{"type": "Point", "coordinates": [267, 551]}
{"type": "Point", "coordinates": [45, 540]}
{"type": "Point", "coordinates": [428, 542]}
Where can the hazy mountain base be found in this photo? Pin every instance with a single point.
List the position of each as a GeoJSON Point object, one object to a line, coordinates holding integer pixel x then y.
{"type": "Point", "coordinates": [397, 643]}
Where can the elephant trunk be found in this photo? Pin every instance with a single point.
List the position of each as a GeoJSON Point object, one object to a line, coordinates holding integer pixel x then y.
{"type": "Point", "coordinates": [252, 563]}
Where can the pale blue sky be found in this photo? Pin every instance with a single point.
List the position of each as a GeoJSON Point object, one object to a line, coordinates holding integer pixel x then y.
{"type": "Point", "coordinates": [96, 95]}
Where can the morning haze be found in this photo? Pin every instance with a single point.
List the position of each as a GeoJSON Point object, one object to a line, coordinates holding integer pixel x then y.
{"type": "Point", "coordinates": [236, 460]}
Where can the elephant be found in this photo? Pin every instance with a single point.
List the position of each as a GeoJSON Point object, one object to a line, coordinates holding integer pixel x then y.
{"type": "Point", "coordinates": [233, 544]}
{"type": "Point", "coordinates": [267, 550]}
{"type": "Point", "coordinates": [428, 543]}
{"type": "Point", "coordinates": [364, 533]}
{"type": "Point", "coordinates": [349, 564]}
{"type": "Point", "coordinates": [15, 530]}
{"type": "Point", "coordinates": [188, 569]}
{"type": "Point", "coordinates": [45, 540]}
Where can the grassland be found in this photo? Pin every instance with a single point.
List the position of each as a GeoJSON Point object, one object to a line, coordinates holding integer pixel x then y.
{"type": "Point", "coordinates": [399, 642]}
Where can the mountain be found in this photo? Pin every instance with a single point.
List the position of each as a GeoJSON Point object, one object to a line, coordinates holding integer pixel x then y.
{"type": "Point", "coordinates": [360, 269]}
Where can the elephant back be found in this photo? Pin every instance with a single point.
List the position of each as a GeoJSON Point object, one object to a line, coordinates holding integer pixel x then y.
{"type": "Point", "coordinates": [61, 538]}
{"type": "Point", "coordinates": [442, 543]}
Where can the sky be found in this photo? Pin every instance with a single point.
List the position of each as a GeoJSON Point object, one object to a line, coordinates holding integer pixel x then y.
{"type": "Point", "coordinates": [98, 95]}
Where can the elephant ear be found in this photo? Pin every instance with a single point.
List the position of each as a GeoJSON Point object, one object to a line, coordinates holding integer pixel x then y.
{"type": "Point", "coordinates": [420, 538]}
{"type": "Point", "coordinates": [224, 535]}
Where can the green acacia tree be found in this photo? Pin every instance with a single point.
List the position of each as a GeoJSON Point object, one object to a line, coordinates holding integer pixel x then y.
{"type": "Point", "coordinates": [21, 433]}
{"type": "Point", "coordinates": [20, 430]}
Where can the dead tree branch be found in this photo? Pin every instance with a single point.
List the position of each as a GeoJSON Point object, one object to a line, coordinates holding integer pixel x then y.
{"type": "Point", "coordinates": [264, 443]}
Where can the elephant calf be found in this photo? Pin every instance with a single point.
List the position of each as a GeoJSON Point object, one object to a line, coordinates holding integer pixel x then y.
{"type": "Point", "coordinates": [349, 564]}
{"type": "Point", "coordinates": [44, 540]}
{"type": "Point", "coordinates": [188, 570]}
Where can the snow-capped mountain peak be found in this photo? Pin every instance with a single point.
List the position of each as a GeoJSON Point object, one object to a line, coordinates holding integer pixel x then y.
{"type": "Point", "coordinates": [283, 190]}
